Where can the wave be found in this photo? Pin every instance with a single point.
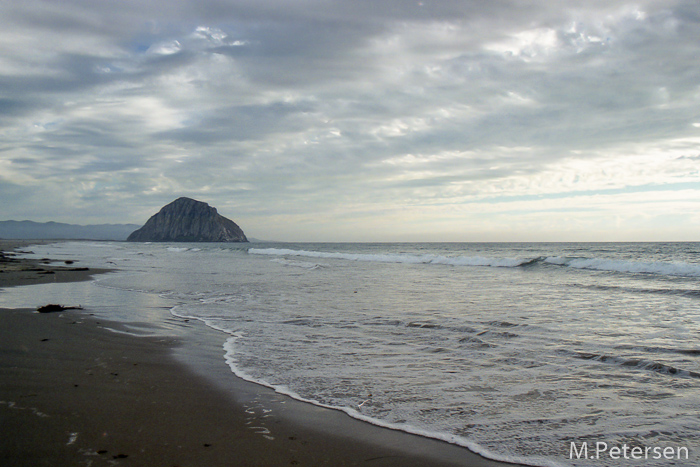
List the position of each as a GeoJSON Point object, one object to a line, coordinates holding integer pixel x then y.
{"type": "Point", "coordinates": [400, 258]}
{"type": "Point", "coordinates": [656, 349]}
{"type": "Point", "coordinates": [639, 363]}
{"type": "Point", "coordinates": [689, 293]}
{"type": "Point", "coordinates": [636, 267]}
{"type": "Point", "coordinates": [298, 264]}
{"type": "Point", "coordinates": [355, 411]}
{"type": "Point", "coordinates": [174, 249]}
{"type": "Point", "coordinates": [598, 264]}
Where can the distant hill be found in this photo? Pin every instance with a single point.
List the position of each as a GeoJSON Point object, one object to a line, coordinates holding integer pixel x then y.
{"type": "Point", "coordinates": [29, 230]}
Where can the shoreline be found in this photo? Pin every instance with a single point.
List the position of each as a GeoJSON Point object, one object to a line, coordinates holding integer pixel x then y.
{"type": "Point", "coordinates": [17, 272]}
{"type": "Point", "coordinates": [75, 392]}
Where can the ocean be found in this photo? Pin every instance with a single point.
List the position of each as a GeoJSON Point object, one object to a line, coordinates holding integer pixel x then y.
{"type": "Point", "coordinates": [526, 352]}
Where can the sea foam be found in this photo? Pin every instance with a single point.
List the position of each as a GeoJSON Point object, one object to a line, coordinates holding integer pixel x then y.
{"type": "Point", "coordinates": [398, 258]}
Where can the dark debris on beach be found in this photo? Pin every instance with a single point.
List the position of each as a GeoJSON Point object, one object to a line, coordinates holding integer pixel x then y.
{"type": "Point", "coordinates": [52, 307]}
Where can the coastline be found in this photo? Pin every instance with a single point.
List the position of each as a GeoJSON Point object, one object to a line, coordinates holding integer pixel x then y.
{"type": "Point", "coordinates": [15, 271]}
{"type": "Point", "coordinates": [75, 392]}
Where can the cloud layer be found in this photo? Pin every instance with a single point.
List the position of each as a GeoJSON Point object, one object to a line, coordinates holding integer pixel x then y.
{"type": "Point", "coordinates": [363, 120]}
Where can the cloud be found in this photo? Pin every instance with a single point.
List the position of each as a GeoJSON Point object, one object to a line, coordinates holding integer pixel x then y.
{"type": "Point", "coordinates": [328, 113]}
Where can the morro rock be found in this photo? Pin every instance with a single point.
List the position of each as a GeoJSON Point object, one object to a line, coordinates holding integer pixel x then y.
{"type": "Point", "coordinates": [188, 220]}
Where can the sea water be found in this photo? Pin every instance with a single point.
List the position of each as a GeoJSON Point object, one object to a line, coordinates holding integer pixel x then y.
{"type": "Point", "coordinates": [522, 352]}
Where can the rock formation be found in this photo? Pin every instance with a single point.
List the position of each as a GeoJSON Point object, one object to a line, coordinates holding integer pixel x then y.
{"type": "Point", "coordinates": [188, 220]}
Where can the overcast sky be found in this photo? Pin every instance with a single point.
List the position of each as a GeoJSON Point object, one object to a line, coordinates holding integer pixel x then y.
{"type": "Point", "coordinates": [357, 120]}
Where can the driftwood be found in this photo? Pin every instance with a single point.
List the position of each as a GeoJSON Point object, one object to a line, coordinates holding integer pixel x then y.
{"type": "Point", "coordinates": [52, 307]}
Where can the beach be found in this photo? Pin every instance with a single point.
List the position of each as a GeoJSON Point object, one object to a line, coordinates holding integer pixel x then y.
{"type": "Point", "coordinates": [15, 271]}
{"type": "Point", "coordinates": [76, 389]}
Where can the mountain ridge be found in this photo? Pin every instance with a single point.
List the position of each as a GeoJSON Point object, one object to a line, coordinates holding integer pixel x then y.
{"type": "Point", "coordinates": [31, 230]}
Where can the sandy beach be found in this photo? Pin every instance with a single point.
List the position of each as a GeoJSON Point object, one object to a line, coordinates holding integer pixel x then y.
{"type": "Point", "coordinates": [75, 392]}
{"type": "Point", "coordinates": [15, 271]}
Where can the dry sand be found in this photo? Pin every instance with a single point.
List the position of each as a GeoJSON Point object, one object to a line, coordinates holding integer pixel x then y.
{"type": "Point", "coordinates": [75, 393]}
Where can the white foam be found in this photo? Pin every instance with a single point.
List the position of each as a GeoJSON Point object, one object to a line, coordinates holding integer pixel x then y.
{"type": "Point", "coordinates": [398, 258]}
{"type": "Point", "coordinates": [230, 352]}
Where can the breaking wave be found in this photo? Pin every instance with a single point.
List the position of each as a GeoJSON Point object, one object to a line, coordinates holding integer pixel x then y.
{"type": "Point", "coordinates": [598, 264]}
{"type": "Point", "coordinates": [399, 258]}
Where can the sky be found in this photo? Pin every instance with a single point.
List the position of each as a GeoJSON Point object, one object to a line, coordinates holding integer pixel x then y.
{"type": "Point", "coordinates": [357, 120]}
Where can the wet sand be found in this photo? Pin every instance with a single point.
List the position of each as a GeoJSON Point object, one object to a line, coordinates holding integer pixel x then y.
{"type": "Point", "coordinates": [75, 392]}
{"type": "Point", "coordinates": [15, 271]}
